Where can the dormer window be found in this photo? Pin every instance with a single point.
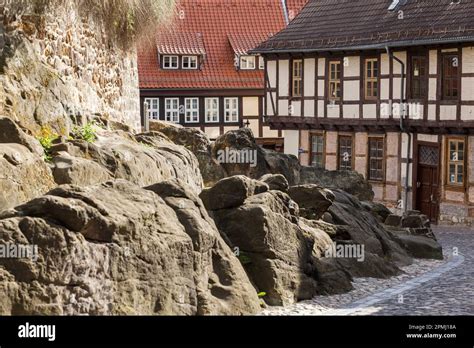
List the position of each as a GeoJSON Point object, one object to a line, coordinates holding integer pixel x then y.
{"type": "Point", "coordinates": [170, 62]}
{"type": "Point", "coordinates": [247, 62]}
{"type": "Point", "coordinates": [261, 63]}
{"type": "Point", "coordinates": [190, 62]}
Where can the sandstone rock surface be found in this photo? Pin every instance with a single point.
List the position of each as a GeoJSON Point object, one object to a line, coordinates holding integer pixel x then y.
{"type": "Point", "coordinates": [116, 249]}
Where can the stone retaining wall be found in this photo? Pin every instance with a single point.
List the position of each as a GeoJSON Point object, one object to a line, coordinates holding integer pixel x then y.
{"type": "Point", "coordinates": [60, 66]}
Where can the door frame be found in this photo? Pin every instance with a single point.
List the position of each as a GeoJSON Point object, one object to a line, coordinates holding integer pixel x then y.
{"type": "Point", "coordinates": [417, 144]}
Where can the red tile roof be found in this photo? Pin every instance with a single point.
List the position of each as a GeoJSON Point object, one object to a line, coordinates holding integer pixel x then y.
{"type": "Point", "coordinates": [242, 43]}
{"type": "Point", "coordinates": [223, 26]}
{"type": "Point", "coordinates": [181, 43]}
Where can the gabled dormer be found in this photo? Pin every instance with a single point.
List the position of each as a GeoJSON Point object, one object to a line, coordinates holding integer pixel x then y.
{"type": "Point", "coordinates": [181, 51]}
{"type": "Point", "coordinates": [241, 45]}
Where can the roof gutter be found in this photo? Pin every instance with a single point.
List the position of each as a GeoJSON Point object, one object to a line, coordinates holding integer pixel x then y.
{"type": "Point", "coordinates": [379, 46]}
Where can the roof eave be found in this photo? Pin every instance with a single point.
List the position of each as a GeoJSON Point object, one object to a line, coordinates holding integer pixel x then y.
{"type": "Point", "coordinates": [377, 46]}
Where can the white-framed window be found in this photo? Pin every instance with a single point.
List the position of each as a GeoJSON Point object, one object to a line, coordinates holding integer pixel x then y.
{"type": "Point", "coordinates": [212, 110]}
{"type": "Point", "coordinates": [172, 110]}
{"type": "Point", "coordinates": [261, 63]}
{"type": "Point", "coordinates": [170, 62]}
{"type": "Point", "coordinates": [231, 109]}
{"type": "Point", "coordinates": [191, 110]}
{"type": "Point", "coordinates": [247, 62]}
{"type": "Point", "coordinates": [152, 108]}
{"type": "Point", "coordinates": [190, 62]}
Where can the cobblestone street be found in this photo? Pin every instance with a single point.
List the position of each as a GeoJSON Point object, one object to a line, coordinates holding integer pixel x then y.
{"type": "Point", "coordinates": [427, 288]}
{"type": "Point", "coordinates": [449, 294]}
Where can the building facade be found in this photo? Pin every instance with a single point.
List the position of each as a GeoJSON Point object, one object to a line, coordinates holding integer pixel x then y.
{"type": "Point", "coordinates": [391, 96]}
{"type": "Point", "coordinates": [200, 74]}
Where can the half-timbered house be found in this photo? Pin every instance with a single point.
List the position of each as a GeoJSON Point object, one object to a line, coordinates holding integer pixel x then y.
{"type": "Point", "coordinates": [200, 73]}
{"type": "Point", "coordinates": [385, 88]}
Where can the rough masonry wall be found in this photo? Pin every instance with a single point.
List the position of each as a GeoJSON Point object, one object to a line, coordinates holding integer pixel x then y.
{"type": "Point", "coordinates": [59, 66]}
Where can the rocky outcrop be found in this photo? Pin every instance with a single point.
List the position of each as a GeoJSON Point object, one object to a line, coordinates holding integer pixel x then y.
{"type": "Point", "coordinates": [276, 182]}
{"type": "Point", "coordinates": [267, 162]}
{"type": "Point", "coordinates": [283, 253]}
{"type": "Point", "coordinates": [117, 249]}
{"type": "Point", "coordinates": [277, 252]}
{"type": "Point", "coordinates": [358, 226]}
{"type": "Point", "coordinates": [231, 192]}
{"type": "Point", "coordinates": [143, 159]}
{"type": "Point", "coordinates": [349, 181]}
{"type": "Point", "coordinates": [197, 142]}
{"type": "Point", "coordinates": [23, 175]}
{"type": "Point", "coordinates": [313, 200]}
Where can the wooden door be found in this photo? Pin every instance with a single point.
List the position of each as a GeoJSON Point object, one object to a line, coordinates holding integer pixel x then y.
{"type": "Point", "coordinates": [427, 182]}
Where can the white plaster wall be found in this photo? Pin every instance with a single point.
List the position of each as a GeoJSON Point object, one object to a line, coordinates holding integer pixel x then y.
{"type": "Point", "coordinates": [292, 142]}
{"type": "Point", "coordinates": [447, 112]}
{"type": "Point", "coordinates": [283, 76]}
{"type": "Point", "coordinates": [468, 60]}
{"type": "Point", "coordinates": [271, 69]}
{"type": "Point", "coordinates": [352, 90]}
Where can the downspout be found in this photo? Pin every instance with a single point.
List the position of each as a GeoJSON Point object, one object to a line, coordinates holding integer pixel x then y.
{"type": "Point", "coordinates": [402, 126]}
{"type": "Point", "coordinates": [285, 12]}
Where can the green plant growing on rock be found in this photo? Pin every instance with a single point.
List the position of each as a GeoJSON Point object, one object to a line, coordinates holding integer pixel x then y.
{"type": "Point", "coordinates": [88, 132]}
{"type": "Point", "coordinates": [244, 259]}
{"type": "Point", "coordinates": [46, 137]}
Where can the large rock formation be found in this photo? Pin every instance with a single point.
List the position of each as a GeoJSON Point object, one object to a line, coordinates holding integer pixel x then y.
{"type": "Point", "coordinates": [118, 249]}
{"type": "Point", "coordinates": [143, 159]}
{"type": "Point", "coordinates": [23, 173]}
{"type": "Point", "coordinates": [197, 142]}
{"type": "Point", "coordinates": [283, 254]}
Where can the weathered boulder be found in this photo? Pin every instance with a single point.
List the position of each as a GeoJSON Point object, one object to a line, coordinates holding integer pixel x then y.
{"type": "Point", "coordinates": [198, 143]}
{"type": "Point", "coordinates": [393, 220]}
{"type": "Point", "coordinates": [348, 181]}
{"type": "Point", "coordinates": [117, 249]}
{"type": "Point", "coordinates": [356, 225]}
{"type": "Point", "coordinates": [420, 246]}
{"type": "Point", "coordinates": [415, 221]}
{"type": "Point", "coordinates": [78, 171]}
{"type": "Point", "coordinates": [380, 211]}
{"type": "Point", "coordinates": [11, 133]}
{"type": "Point", "coordinates": [275, 182]}
{"type": "Point", "coordinates": [313, 200]}
{"type": "Point", "coordinates": [278, 252]}
{"type": "Point", "coordinates": [231, 192]}
{"type": "Point", "coordinates": [144, 159]}
{"type": "Point", "coordinates": [23, 175]}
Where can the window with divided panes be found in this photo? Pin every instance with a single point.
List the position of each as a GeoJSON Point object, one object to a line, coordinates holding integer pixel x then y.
{"type": "Point", "coordinates": [456, 161]}
{"type": "Point", "coordinates": [419, 77]}
{"type": "Point", "coordinates": [334, 80]}
{"type": "Point", "coordinates": [371, 78]}
{"type": "Point", "coordinates": [297, 78]}
{"type": "Point", "coordinates": [317, 150]}
{"type": "Point", "coordinates": [376, 158]}
{"type": "Point", "coordinates": [345, 152]}
{"type": "Point", "coordinates": [450, 76]}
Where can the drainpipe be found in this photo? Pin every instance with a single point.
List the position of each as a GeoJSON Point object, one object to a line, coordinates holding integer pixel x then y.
{"type": "Point", "coordinates": [285, 12]}
{"type": "Point", "coordinates": [402, 126]}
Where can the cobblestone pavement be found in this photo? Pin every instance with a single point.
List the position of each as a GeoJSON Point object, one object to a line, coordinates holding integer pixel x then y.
{"type": "Point", "coordinates": [427, 287]}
